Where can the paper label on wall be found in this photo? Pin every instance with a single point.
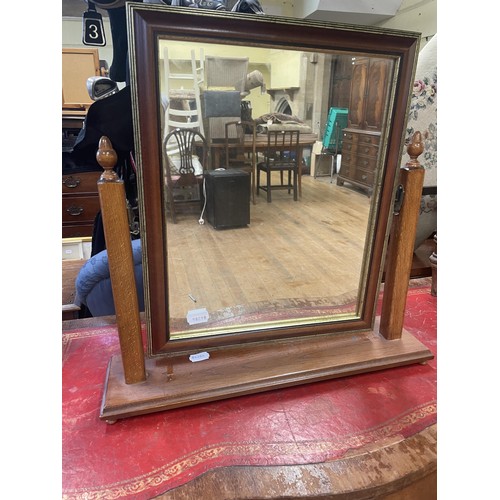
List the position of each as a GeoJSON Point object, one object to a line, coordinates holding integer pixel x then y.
{"type": "Point", "coordinates": [196, 316]}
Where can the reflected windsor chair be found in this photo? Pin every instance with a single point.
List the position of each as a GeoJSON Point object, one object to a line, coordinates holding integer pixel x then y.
{"type": "Point", "coordinates": [186, 152]}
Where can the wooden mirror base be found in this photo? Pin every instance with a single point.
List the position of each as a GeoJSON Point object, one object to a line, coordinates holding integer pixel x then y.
{"type": "Point", "coordinates": [174, 382]}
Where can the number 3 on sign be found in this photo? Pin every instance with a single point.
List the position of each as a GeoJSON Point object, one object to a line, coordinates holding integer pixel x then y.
{"type": "Point", "coordinates": [93, 30]}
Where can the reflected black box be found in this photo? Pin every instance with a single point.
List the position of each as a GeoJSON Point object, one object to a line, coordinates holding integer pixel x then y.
{"type": "Point", "coordinates": [228, 198]}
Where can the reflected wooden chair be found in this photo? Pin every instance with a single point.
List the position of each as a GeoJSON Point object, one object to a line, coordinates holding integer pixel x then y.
{"type": "Point", "coordinates": [186, 152]}
{"type": "Point", "coordinates": [281, 156]}
{"type": "Point", "coordinates": [240, 149]}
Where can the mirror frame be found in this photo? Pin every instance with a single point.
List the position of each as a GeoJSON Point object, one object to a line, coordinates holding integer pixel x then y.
{"type": "Point", "coordinates": [147, 22]}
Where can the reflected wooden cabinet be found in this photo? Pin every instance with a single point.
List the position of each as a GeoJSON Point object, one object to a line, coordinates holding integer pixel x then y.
{"type": "Point", "coordinates": [368, 93]}
{"type": "Point", "coordinates": [361, 138]}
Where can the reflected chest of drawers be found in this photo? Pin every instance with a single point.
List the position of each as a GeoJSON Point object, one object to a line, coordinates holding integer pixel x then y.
{"type": "Point", "coordinates": [359, 158]}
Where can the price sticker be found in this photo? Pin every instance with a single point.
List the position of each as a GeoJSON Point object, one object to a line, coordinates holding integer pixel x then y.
{"type": "Point", "coordinates": [196, 316]}
{"type": "Point", "coordinates": [200, 356]}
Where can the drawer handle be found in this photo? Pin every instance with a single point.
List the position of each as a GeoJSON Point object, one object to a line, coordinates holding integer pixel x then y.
{"type": "Point", "coordinates": [367, 150]}
{"type": "Point", "coordinates": [365, 162]}
{"type": "Point", "coordinates": [71, 182]}
{"type": "Point", "coordinates": [74, 210]}
{"type": "Point", "coordinates": [363, 177]}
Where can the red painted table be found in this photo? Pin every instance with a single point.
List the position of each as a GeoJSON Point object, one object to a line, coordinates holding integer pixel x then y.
{"type": "Point", "coordinates": [320, 423]}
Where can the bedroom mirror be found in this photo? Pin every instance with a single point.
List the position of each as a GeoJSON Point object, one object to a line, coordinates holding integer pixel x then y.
{"type": "Point", "coordinates": [224, 263]}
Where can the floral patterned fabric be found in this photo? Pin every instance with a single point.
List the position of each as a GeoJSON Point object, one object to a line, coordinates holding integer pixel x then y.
{"type": "Point", "coordinates": [423, 110]}
{"type": "Point", "coordinates": [423, 118]}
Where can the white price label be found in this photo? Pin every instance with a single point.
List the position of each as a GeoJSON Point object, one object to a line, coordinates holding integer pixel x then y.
{"type": "Point", "coordinates": [201, 356]}
{"type": "Point", "coordinates": [196, 316]}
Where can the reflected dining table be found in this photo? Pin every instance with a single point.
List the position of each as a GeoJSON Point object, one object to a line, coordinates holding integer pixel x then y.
{"type": "Point", "coordinates": [218, 146]}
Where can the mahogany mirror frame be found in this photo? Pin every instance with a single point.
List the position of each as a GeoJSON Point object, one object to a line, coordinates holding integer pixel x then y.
{"type": "Point", "coordinates": [146, 22]}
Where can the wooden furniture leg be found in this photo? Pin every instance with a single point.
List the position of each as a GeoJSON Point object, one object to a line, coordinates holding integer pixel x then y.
{"type": "Point", "coordinates": [299, 168]}
{"type": "Point", "coordinates": [121, 265]}
{"type": "Point", "coordinates": [401, 243]}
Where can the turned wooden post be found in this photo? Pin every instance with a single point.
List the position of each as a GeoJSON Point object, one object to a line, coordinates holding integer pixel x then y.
{"type": "Point", "coordinates": [401, 244]}
{"type": "Point", "coordinates": [121, 265]}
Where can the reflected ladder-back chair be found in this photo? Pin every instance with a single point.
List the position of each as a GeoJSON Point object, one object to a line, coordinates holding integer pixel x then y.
{"type": "Point", "coordinates": [281, 156]}
{"type": "Point", "coordinates": [238, 154]}
{"type": "Point", "coordinates": [183, 107]}
{"type": "Point", "coordinates": [186, 153]}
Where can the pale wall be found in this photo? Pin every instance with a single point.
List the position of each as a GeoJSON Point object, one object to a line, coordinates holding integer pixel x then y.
{"type": "Point", "coordinates": [413, 15]}
{"type": "Point", "coordinates": [71, 36]}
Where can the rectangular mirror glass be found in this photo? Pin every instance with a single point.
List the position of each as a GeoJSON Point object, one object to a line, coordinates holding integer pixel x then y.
{"type": "Point", "coordinates": [289, 262]}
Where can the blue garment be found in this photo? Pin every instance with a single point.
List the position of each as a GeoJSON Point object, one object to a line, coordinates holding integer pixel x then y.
{"type": "Point", "coordinates": [93, 283]}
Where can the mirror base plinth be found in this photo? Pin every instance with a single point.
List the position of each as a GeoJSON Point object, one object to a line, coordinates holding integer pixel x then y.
{"type": "Point", "coordinates": [175, 381]}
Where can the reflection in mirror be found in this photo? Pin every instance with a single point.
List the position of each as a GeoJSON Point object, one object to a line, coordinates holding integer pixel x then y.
{"type": "Point", "coordinates": [237, 265]}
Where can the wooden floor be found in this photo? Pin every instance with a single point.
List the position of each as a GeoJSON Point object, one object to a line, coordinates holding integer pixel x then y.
{"type": "Point", "coordinates": [291, 250]}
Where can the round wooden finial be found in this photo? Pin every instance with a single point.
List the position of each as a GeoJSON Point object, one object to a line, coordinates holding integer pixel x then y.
{"type": "Point", "coordinates": [106, 157]}
{"type": "Point", "coordinates": [415, 149]}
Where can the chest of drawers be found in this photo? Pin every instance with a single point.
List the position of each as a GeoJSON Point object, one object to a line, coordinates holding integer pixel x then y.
{"type": "Point", "coordinates": [359, 158]}
{"type": "Point", "coordinates": [80, 199]}
{"type": "Point", "coordinates": [80, 203]}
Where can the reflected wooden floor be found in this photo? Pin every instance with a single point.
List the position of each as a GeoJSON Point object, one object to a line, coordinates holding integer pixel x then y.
{"type": "Point", "coordinates": [309, 249]}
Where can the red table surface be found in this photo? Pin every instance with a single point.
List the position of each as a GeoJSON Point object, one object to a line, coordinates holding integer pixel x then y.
{"type": "Point", "coordinates": [143, 456]}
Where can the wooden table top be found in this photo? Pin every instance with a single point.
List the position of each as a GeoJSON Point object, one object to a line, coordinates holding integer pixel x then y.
{"type": "Point", "coordinates": [261, 140]}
